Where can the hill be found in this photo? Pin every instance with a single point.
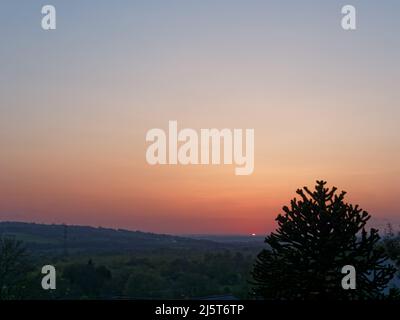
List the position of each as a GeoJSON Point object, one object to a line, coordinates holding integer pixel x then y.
{"type": "Point", "coordinates": [57, 238]}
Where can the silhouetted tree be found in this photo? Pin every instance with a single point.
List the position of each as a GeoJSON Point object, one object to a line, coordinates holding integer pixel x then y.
{"type": "Point", "coordinates": [391, 243]}
{"type": "Point", "coordinates": [13, 269]}
{"type": "Point", "coordinates": [88, 278]}
{"type": "Point", "coordinates": [316, 236]}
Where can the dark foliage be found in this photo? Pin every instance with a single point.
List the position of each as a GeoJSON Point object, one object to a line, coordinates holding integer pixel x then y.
{"type": "Point", "coordinates": [13, 269]}
{"type": "Point", "coordinates": [87, 278]}
{"type": "Point", "coordinates": [316, 236]}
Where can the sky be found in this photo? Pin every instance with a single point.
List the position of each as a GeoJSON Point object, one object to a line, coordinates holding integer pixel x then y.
{"type": "Point", "coordinates": [76, 103]}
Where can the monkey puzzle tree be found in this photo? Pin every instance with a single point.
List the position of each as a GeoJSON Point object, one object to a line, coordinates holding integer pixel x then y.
{"type": "Point", "coordinates": [316, 237]}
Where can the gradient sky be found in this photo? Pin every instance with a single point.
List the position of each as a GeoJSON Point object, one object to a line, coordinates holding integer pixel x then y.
{"type": "Point", "coordinates": [76, 103]}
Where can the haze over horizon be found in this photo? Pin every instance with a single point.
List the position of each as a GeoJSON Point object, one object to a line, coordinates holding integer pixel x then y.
{"type": "Point", "coordinates": [76, 103]}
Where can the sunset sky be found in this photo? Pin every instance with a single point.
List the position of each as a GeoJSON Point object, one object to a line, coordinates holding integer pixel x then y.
{"type": "Point", "coordinates": [76, 103]}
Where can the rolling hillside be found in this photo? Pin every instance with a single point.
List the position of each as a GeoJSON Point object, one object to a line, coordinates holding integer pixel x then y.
{"type": "Point", "coordinates": [74, 239]}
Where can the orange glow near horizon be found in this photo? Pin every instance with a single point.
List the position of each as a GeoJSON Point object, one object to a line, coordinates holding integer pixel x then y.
{"type": "Point", "coordinates": [173, 199]}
